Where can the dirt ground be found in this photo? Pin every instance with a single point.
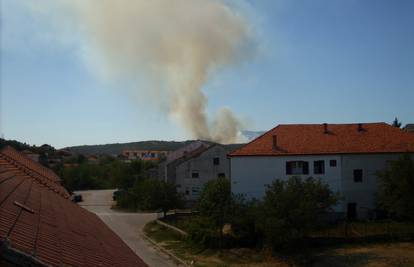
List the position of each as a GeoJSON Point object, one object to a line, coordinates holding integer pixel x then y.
{"type": "Point", "coordinates": [381, 255]}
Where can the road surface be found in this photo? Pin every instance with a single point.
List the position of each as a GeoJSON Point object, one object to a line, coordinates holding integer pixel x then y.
{"type": "Point", "coordinates": [128, 226]}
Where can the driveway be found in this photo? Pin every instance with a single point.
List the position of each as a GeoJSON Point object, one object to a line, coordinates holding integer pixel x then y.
{"type": "Point", "coordinates": [128, 226]}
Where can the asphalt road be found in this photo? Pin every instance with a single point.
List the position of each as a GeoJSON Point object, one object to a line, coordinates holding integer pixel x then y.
{"type": "Point", "coordinates": [128, 226]}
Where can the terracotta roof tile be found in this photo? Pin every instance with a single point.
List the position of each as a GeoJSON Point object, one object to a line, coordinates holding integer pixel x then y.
{"type": "Point", "coordinates": [39, 222]}
{"type": "Point", "coordinates": [307, 139]}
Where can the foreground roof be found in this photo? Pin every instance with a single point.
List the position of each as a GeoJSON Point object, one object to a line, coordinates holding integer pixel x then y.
{"type": "Point", "coordinates": [308, 139]}
{"type": "Point", "coordinates": [40, 226]}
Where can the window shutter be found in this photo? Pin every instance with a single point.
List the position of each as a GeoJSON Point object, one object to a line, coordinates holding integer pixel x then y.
{"type": "Point", "coordinates": [288, 168]}
{"type": "Point", "coordinates": [305, 167]}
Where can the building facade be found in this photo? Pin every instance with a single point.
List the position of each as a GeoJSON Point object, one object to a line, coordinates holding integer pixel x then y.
{"type": "Point", "coordinates": [151, 155]}
{"type": "Point", "coordinates": [194, 172]}
{"type": "Point", "coordinates": [347, 157]}
{"type": "Point", "coordinates": [192, 166]}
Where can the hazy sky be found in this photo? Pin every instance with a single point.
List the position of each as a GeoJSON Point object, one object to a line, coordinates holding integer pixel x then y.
{"type": "Point", "coordinates": [316, 61]}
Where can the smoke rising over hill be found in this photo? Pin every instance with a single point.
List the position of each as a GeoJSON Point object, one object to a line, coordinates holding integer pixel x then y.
{"type": "Point", "coordinates": [176, 44]}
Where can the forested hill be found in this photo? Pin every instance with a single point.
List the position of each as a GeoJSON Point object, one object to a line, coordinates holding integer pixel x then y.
{"type": "Point", "coordinates": [143, 145]}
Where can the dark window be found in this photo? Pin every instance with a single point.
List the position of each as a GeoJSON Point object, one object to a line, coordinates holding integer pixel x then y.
{"type": "Point", "coordinates": [352, 211]}
{"type": "Point", "coordinates": [332, 163]}
{"type": "Point", "coordinates": [358, 176]}
{"type": "Point", "coordinates": [221, 175]}
{"type": "Point", "coordinates": [297, 167]}
{"type": "Point", "coordinates": [194, 175]}
{"type": "Point", "coordinates": [216, 161]}
{"type": "Point", "coordinates": [319, 167]}
{"type": "Point", "coordinates": [152, 155]}
{"type": "Point", "coordinates": [187, 191]}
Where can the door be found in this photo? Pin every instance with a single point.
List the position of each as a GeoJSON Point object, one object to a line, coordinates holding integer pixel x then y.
{"type": "Point", "coordinates": [352, 211]}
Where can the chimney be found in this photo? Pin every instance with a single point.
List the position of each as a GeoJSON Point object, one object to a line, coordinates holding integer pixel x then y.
{"type": "Point", "coordinates": [274, 142]}
{"type": "Point", "coordinates": [325, 128]}
{"type": "Point", "coordinates": [360, 129]}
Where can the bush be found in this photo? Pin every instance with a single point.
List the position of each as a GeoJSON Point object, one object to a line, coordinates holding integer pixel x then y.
{"type": "Point", "coordinates": [150, 195]}
{"type": "Point", "coordinates": [396, 188]}
{"type": "Point", "coordinates": [245, 220]}
{"type": "Point", "coordinates": [291, 209]}
{"type": "Point", "coordinates": [109, 173]}
{"type": "Point", "coordinates": [214, 205]}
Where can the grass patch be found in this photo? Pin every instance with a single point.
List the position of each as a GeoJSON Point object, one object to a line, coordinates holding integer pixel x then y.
{"type": "Point", "coordinates": [181, 222]}
{"type": "Point", "coordinates": [191, 252]}
{"type": "Point", "coordinates": [362, 254]}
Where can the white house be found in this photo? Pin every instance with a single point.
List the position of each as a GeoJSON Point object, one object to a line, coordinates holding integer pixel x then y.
{"type": "Point", "coordinates": [345, 156]}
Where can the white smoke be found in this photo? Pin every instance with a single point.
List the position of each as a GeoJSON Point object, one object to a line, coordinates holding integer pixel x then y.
{"type": "Point", "coordinates": [176, 44]}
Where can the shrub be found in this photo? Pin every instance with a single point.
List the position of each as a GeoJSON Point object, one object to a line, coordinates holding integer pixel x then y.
{"type": "Point", "coordinates": [291, 209]}
{"type": "Point", "coordinates": [214, 205]}
{"type": "Point", "coordinates": [396, 188]}
{"type": "Point", "coordinates": [151, 194]}
{"type": "Point", "coordinates": [244, 220]}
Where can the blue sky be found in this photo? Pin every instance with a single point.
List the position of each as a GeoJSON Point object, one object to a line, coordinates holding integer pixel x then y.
{"type": "Point", "coordinates": [317, 61]}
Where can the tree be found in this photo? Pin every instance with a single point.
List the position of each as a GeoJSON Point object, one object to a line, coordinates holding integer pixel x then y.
{"type": "Point", "coordinates": [151, 194]}
{"type": "Point", "coordinates": [396, 123]}
{"type": "Point", "coordinates": [214, 205]}
{"type": "Point", "coordinates": [245, 221]}
{"type": "Point", "coordinates": [168, 197]}
{"type": "Point", "coordinates": [291, 209]}
{"type": "Point", "coordinates": [396, 188]}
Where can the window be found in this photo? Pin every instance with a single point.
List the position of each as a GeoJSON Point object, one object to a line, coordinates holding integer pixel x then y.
{"type": "Point", "coordinates": [216, 161]}
{"type": "Point", "coordinates": [358, 176]}
{"type": "Point", "coordinates": [195, 175]}
{"type": "Point", "coordinates": [297, 167]}
{"type": "Point", "coordinates": [187, 191]}
{"type": "Point", "coordinates": [221, 175]}
{"type": "Point", "coordinates": [195, 191]}
{"type": "Point", "coordinates": [332, 163]}
{"type": "Point", "coordinates": [319, 167]}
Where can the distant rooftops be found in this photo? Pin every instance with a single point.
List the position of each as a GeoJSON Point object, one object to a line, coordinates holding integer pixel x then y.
{"type": "Point", "coordinates": [308, 139]}
{"type": "Point", "coordinates": [179, 153]}
{"type": "Point", "coordinates": [409, 127]}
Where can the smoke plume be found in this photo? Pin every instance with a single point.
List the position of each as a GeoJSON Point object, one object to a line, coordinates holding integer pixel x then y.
{"type": "Point", "coordinates": [177, 44]}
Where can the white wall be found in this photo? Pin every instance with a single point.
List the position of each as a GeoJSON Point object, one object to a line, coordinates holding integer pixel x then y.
{"type": "Point", "coordinates": [363, 193]}
{"type": "Point", "coordinates": [249, 175]}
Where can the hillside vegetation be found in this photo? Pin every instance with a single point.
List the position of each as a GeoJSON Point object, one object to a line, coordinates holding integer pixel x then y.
{"type": "Point", "coordinates": [143, 145]}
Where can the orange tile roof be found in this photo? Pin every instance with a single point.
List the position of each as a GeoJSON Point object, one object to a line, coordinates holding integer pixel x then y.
{"type": "Point", "coordinates": [39, 224]}
{"type": "Point", "coordinates": [308, 139]}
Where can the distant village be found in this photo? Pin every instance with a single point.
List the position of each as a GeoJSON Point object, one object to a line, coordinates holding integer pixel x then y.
{"type": "Point", "coordinates": [348, 155]}
{"type": "Point", "coordinates": [309, 165]}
